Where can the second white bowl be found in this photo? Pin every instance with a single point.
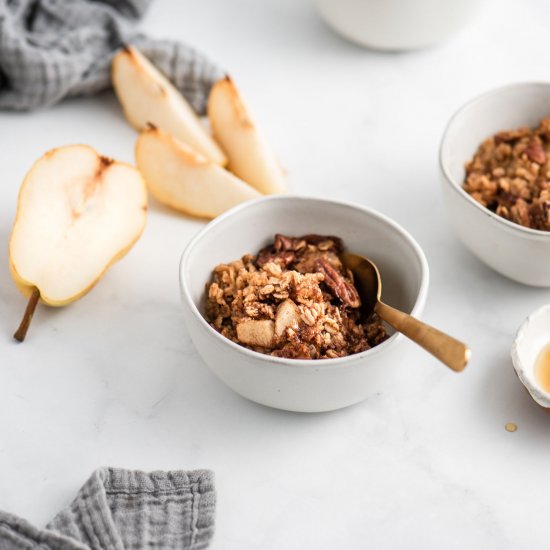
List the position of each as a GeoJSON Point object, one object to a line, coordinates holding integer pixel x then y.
{"type": "Point", "coordinates": [517, 252]}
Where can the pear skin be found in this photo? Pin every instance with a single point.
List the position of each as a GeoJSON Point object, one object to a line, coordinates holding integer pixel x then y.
{"type": "Point", "coordinates": [250, 156]}
{"type": "Point", "coordinates": [147, 96]}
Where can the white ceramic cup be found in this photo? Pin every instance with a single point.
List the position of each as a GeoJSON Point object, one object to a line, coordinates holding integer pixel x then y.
{"type": "Point", "coordinates": [298, 384]}
{"type": "Point", "coordinates": [517, 252]}
{"type": "Point", "coordinates": [397, 24]}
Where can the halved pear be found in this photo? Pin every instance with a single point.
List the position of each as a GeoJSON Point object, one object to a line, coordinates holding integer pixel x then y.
{"type": "Point", "coordinates": [77, 213]}
{"type": "Point", "coordinates": [185, 180]}
{"type": "Point", "coordinates": [250, 156]}
{"type": "Point", "coordinates": [147, 96]}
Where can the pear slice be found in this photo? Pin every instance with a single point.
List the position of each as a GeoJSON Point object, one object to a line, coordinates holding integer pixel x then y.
{"type": "Point", "coordinates": [250, 156]}
{"type": "Point", "coordinates": [77, 213]}
{"type": "Point", "coordinates": [147, 95]}
{"type": "Point", "coordinates": [185, 180]}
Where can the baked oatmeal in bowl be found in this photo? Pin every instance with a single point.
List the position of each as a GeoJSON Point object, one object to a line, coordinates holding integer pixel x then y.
{"type": "Point", "coordinates": [275, 261]}
{"type": "Point", "coordinates": [495, 165]}
{"type": "Point", "coordinates": [292, 299]}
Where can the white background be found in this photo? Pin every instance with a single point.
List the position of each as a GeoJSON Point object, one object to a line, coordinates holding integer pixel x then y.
{"type": "Point", "coordinates": [114, 380]}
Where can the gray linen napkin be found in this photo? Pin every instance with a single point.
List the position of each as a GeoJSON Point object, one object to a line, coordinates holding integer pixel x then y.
{"type": "Point", "coordinates": [52, 49]}
{"type": "Point", "coordinates": [125, 510]}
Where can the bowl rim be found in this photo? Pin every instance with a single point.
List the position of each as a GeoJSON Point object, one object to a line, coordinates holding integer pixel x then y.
{"type": "Point", "coordinates": [457, 187]}
{"type": "Point", "coordinates": [318, 363]}
{"type": "Point", "coordinates": [538, 394]}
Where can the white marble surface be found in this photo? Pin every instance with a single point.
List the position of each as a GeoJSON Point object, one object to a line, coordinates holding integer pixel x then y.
{"type": "Point", "coordinates": [114, 380]}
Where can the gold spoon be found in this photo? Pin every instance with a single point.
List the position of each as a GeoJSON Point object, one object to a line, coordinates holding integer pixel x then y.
{"type": "Point", "coordinates": [449, 351]}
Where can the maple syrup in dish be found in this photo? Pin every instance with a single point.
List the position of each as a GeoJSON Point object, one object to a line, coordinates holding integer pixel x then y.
{"type": "Point", "coordinates": [542, 369]}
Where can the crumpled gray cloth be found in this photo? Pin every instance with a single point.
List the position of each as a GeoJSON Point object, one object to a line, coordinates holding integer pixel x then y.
{"type": "Point", "coordinates": [52, 49]}
{"type": "Point", "coordinates": [125, 510]}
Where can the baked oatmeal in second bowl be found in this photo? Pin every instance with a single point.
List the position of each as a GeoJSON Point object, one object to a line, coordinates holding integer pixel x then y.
{"type": "Point", "coordinates": [293, 299]}
{"type": "Point", "coordinates": [510, 175]}
{"type": "Point", "coordinates": [500, 214]}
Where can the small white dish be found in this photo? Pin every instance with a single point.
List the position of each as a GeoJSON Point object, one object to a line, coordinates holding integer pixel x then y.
{"type": "Point", "coordinates": [517, 252]}
{"type": "Point", "coordinates": [532, 337]}
{"type": "Point", "coordinates": [297, 384]}
{"type": "Point", "coordinates": [397, 25]}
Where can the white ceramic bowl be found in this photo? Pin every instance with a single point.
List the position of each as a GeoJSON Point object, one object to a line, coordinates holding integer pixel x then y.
{"type": "Point", "coordinates": [294, 384]}
{"type": "Point", "coordinates": [532, 337]}
{"type": "Point", "coordinates": [397, 24]}
{"type": "Point", "coordinates": [520, 253]}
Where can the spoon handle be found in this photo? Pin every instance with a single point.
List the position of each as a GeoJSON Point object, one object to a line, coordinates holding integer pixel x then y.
{"type": "Point", "coordinates": [447, 349]}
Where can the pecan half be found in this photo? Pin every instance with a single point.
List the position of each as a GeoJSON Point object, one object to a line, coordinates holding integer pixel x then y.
{"type": "Point", "coordinates": [282, 251]}
{"type": "Point", "coordinates": [342, 289]}
{"type": "Point", "coordinates": [306, 262]}
{"type": "Point", "coordinates": [535, 152]}
{"type": "Point", "coordinates": [282, 242]}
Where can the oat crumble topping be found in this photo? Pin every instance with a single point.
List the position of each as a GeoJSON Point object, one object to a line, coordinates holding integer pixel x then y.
{"type": "Point", "coordinates": [293, 299]}
{"type": "Point", "coordinates": [510, 175]}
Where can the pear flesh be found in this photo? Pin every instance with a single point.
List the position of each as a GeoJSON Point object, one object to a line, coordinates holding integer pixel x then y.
{"type": "Point", "coordinates": [183, 179]}
{"type": "Point", "coordinates": [250, 156]}
{"type": "Point", "coordinates": [147, 96]}
{"type": "Point", "coordinates": [77, 213]}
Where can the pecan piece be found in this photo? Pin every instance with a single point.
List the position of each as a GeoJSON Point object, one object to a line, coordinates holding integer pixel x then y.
{"type": "Point", "coordinates": [342, 289]}
{"type": "Point", "coordinates": [535, 152]}
{"type": "Point", "coordinates": [337, 244]}
{"type": "Point", "coordinates": [269, 254]}
{"type": "Point", "coordinates": [286, 250]}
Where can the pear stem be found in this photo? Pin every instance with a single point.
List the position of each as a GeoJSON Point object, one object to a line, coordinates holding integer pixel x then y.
{"type": "Point", "coordinates": [21, 332]}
